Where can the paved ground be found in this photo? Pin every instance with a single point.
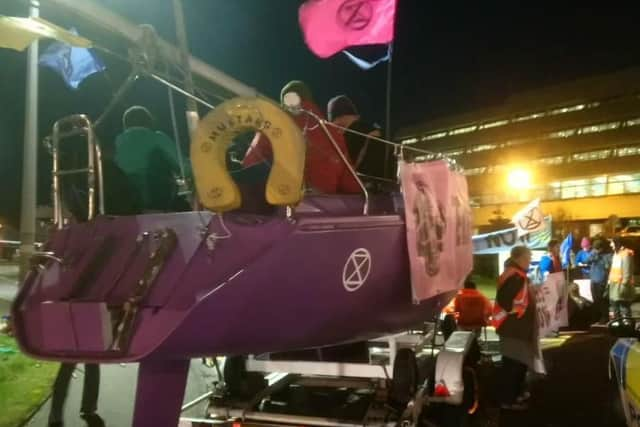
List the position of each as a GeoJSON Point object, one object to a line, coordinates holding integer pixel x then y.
{"type": "Point", "coordinates": [117, 395]}
{"type": "Point", "coordinates": [118, 382]}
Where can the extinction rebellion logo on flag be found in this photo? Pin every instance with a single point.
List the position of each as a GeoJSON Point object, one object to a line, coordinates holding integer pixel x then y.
{"type": "Point", "coordinates": [355, 15]}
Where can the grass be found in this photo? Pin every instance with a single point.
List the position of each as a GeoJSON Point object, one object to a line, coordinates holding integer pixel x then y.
{"type": "Point", "coordinates": [486, 285]}
{"type": "Point", "coordinates": [24, 383]}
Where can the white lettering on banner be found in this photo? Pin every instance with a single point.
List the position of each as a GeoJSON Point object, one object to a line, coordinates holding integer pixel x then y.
{"type": "Point", "coordinates": [504, 240]}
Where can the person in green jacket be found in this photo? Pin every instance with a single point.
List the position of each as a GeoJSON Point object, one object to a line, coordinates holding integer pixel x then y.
{"type": "Point", "coordinates": [150, 161]}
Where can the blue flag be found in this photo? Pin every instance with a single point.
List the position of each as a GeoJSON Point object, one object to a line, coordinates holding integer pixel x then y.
{"type": "Point", "coordinates": [74, 64]}
{"type": "Point", "coordinates": [565, 251]}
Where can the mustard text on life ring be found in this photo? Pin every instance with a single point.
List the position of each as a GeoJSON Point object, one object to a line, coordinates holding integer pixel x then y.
{"type": "Point", "coordinates": [216, 189]}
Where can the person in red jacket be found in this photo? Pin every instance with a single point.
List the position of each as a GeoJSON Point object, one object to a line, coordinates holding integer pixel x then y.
{"type": "Point", "coordinates": [470, 307]}
{"type": "Point", "coordinates": [325, 171]}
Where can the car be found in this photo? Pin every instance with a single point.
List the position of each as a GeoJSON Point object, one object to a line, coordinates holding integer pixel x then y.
{"type": "Point", "coordinates": [624, 373]}
{"type": "Point", "coordinates": [630, 231]}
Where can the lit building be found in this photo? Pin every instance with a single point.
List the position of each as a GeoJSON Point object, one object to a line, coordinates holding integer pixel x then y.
{"type": "Point", "coordinates": [576, 146]}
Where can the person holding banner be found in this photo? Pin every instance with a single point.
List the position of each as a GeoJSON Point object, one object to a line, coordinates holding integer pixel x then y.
{"type": "Point", "coordinates": [621, 287]}
{"type": "Point", "coordinates": [514, 317]}
{"type": "Point", "coordinates": [551, 263]}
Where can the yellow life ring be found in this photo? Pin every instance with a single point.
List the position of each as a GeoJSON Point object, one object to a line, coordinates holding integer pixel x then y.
{"type": "Point", "coordinates": [216, 189]}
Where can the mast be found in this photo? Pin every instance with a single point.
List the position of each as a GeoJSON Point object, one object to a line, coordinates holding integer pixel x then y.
{"type": "Point", "coordinates": [28, 205]}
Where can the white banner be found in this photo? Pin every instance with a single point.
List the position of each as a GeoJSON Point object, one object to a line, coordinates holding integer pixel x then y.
{"type": "Point", "coordinates": [504, 240]}
{"type": "Point", "coordinates": [551, 304]}
{"type": "Point", "coordinates": [529, 219]}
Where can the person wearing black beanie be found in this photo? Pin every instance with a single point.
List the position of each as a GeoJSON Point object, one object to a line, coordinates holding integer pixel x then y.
{"type": "Point", "coordinates": [368, 155]}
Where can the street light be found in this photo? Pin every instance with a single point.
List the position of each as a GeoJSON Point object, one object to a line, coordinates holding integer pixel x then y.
{"type": "Point", "coordinates": [519, 179]}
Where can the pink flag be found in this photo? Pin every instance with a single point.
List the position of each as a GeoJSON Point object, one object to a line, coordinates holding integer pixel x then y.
{"type": "Point", "coordinates": [329, 26]}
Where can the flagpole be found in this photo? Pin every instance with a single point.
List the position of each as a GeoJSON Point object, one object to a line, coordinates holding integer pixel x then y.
{"type": "Point", "coordinates": [387, 134]}
{"type": "Point", "coordinates": [30, 154]}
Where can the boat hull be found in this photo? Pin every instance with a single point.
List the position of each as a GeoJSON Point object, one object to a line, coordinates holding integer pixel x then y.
{"type": "Point", "coordinates": [233, 284]}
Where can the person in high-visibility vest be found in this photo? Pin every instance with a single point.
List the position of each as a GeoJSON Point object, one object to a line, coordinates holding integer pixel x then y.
{"type": "Point", "coordinates": [621, 286]}
{"type": "Point", "coordinates": [514, 317]}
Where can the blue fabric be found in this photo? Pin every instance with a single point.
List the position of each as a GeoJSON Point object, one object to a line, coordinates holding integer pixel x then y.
{"type": "Point", "coordinates": [582, 257]}
{"type": "Point", "coordinates": [366, 65]}
{"type": "Point", "coordinates": [599, 266]}
{"type": "Point", "coordinates": [74, 64]}
{"type": "Point", "coordinates": [546, 264]}
{"type": "Point", "coordinates": [565, 251]}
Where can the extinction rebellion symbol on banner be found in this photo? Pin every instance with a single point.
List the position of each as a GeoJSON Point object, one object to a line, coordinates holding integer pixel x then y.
{"type": "Point", "coordinates": [355, 14]}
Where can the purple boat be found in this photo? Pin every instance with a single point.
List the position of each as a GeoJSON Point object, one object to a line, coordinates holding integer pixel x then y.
{"type": "Point", "coordinates": [164, 288]}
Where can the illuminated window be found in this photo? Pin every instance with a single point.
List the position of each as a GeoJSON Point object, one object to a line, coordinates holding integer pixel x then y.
{"type": "Point", "coordinates": [550, 161]}
{"type": "Point", "coordinates": [600, 128]}
{"type": "Point", "coordinates": [434, 136]}
{"type": "Point", "coordinates": [567, 109]}
{"type": "Point", "coordinates": [463, 130]}
{"type": "Point", "coordinates": [628, 151]}
{"type": "Point", "coordinates": [409, 141]}
{"type": "Point", "coordinates": [481, 147]}
{"type": "Point", "coordinates": [562, 133]}
{"type": "Point", "coordinates": [493, 124]}
{"type": "Point", "coordinates": [634, 122]}
{"type": "Point", "coordinates": [455, 152]}
{"type": "Point", "coordinates": [475, 171]}
{"type": "Point", "coordinates": [591, 155]}
{"type": "Point", "coordinates": [529, 117]}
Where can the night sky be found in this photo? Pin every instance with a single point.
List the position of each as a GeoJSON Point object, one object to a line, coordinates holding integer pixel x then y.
{"type": "Point", "coordinates": [449, 58]}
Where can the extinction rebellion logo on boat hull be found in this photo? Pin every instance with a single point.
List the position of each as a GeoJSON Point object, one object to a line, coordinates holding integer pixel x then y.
{"type": "Point", "coordinates": [356, 270]}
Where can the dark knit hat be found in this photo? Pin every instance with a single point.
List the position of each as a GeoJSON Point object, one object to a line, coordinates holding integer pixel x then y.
{"type": "Point", "coordinates": [340, 105]}
{"type": "Point", "coordinates": [298, 87]}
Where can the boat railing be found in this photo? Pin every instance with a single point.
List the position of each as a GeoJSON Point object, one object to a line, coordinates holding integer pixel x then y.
{"type": "Point", "coordinates": [68, 127]}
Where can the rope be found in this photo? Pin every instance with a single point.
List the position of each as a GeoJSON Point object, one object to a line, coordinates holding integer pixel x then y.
{"type": "Point", "coordinates": [176, 135]}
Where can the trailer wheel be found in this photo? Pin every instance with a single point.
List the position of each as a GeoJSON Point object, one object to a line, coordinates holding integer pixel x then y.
{"type": "Point", "coordinates": [405, 377]}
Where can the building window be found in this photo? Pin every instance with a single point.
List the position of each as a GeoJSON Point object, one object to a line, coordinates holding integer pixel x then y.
{"type": "Point", "coordinates": [634, 122]}
{"type": "Point", "coordinates": [628, 151]}
{"type": "Point", "coordinates": [434, 136]}
{"type": "Point", "coordinates": [453, 153]}
{"type": "Point", "coordinates": [600, 128]}
{"type": "Point", "coordinates": [529, 117]}
{"type": "Point", "coordinates": [409, 141]}
{"type": "Point", "coordinates": [567, 109]}
{"type": "Point", "coordinates": [562, 133]}
{"type": "Point", "coordinates": [493, 124]}
{"type": "Point", "coordinates": [550, 161]}
{"type": "Point", "coordinates": [463, 130]}
{"type": "Point", "coordinates": [481, 147]}
{"type": "Point", "coordinates": [475, 171]}
{"type": "Point", "coordinates": [591, 155]}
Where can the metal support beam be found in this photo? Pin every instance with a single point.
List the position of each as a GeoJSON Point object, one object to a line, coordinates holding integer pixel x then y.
{"type": "Point", "coordinates": [110, 21]}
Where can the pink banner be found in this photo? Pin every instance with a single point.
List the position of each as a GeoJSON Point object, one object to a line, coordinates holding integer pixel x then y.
{"type": "Point", "coordinates": [329, 26]}
{"type": "Point", "coordinates": [438, 218]}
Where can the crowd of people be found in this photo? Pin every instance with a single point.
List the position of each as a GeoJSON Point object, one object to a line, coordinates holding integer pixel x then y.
{"type": "Point", "coordinates": [608, 264]}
